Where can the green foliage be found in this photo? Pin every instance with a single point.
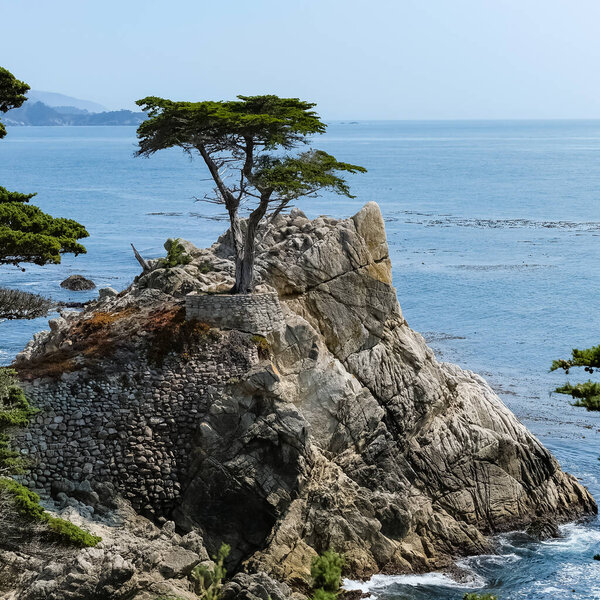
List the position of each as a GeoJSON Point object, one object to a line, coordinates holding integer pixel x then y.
{"type": "Point", "coordinates": [6, 196]}
{"type": "Point", "coordinates": [12, 94]}
{"type": "Point", "coordinates": [70, 533]}
{"type": "Point", "coordinates": [596, 556]}
{"type": "Point", "coordinates": [27, 234]}
{"type": "Point", "coordinates": [586, 394]}
{"type": "Point", "coordinates": [176, 255]}
{"type": "Point", "coordinates": [262, 344]}
{"type": "Point", "coordinates": [206, 267]}
{"type": "Point", "coordinates": [589, 359]}
{"type": "Point", "coordinates": [303, 175]}
{"type": "Point", "coordinates": [326, 572]}
{"type": "Point", "coordinates": [208, 582]}
{"type": "Point", "coordinates": [268, 120]}
{"type": "Point", "coordinates": [321, 594]}
{"type": "Point", "coordinates": [27, 504]}
{"type": "Point", "coordinates": [15, 411]}
{"type": "Point", "coordinates": [479, 597]}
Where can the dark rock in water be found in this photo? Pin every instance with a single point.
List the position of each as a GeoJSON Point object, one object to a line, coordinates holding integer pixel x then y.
{"type": "Point", "coordinates": [77, 283]}
{"type": "Point", "coordinates": [543, 529]}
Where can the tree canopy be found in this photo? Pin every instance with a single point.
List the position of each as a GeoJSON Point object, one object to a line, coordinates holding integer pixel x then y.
{"type": "Point", "coordinates": [249, 146]}
{"type": "Point", "coordinates": [27, 234]}
{"type": "Point", "coordinates": [585, 394]}
{"type": "Point", "coordinates": [12, 94]}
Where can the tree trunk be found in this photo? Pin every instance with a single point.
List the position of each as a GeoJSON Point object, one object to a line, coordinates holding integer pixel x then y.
{"type": "Point", "coordinates": [247, 265]}
{"type": "Point", "coordinates": [238, 248]}
{"type": "Point", "coordinates": [245, 283]}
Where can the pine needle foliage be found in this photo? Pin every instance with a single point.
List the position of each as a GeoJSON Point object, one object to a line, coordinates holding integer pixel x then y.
{"type": "Point", "coordinates": [586, 394]}
{"type": "Point", "coordinates": [27, 504]}
{"type": "Point", "coordinates": [27, 234]}
{"type": "Point", "coordinates": [15, 411]}
{"type": "Point", "coordinates": [208, 582]}
{"type": "Point", "coordinates": [326, 573]}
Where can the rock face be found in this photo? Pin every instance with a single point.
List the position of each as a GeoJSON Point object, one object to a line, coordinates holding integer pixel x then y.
{"type": "Point", "coordinates": [340, 430]}
{"type": "Point", "coordinates": [77, 283]}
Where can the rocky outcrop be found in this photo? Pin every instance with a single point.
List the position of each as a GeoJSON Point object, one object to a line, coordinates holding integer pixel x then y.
{"type": "Point", "coordinates": [77, 283]}
{"type": "Point", "coordinates": [339, 430]}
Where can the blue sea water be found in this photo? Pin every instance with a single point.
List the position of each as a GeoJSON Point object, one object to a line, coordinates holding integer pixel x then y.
{"type": "Point", "coordinates": [494, 233]}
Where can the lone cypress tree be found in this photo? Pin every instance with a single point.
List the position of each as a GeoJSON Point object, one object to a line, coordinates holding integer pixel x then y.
{"type": "Point", "coordinates": [28, 235]}
{"type": "Point", "coordinates": [247, 146]}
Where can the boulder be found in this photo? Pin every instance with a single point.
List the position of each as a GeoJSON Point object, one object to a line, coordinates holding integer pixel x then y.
{"type": "Point", "coordinates": [77, 283]}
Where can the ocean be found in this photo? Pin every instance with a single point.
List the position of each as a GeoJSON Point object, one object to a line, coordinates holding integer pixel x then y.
{"type": "Point", "coordinates": [494, 234]}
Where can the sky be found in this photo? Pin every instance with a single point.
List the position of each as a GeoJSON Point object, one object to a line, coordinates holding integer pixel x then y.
{"type": "Point", "coordinates": [357, 59]}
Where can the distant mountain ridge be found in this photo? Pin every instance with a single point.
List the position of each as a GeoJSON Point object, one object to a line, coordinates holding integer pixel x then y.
{"type": "Point", "coordinates": [56, 101]}
{"type": "Point", "coordinates": [39, 113]}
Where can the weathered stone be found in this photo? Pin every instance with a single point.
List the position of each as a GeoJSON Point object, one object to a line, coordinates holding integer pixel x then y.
{"type": "Point", "coordinates": [178, 563]}
{"type": "Point", "coordinates": [77, 283]}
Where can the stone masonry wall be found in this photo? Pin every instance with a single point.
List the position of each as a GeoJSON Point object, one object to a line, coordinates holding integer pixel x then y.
{"type": "Point", "coordinates": [254, 313]}
{"type": "Point", "coordinates": [134, 429]}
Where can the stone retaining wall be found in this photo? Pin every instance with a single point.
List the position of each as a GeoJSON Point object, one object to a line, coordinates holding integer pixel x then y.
{"type": "Point", "coordinates": [134, 429]}
{"type": "Point", "coordinates": [253, 313]}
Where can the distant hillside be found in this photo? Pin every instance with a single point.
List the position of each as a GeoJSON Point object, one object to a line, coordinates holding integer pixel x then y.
{"type": "Point", "coordinates": [39, 113]}
{"type": "Point", "coordinates": [55, 100]}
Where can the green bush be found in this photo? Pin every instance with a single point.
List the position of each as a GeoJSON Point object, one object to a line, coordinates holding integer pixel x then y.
{"type": "Point", "coordinates": [27, 504]}
{"type": "Point", "coordinates": [321, 594]}
{"type": "Point", "coordinates": [207, 582]}
{"type": "Point", "coordinates": [71, 534]}
{"type": "Point", "coordinates": [326, 572]}
{"type": "Point", "coordinates": [15, 411]}
{"type": "Point", "coordinates": [479, 597]}
{"type": "Point", "coordinates": [596, 556]}
{"type": "Point", "coordinates": [206, 267]}
{"type": "Point", "coordinates": [176, 255]}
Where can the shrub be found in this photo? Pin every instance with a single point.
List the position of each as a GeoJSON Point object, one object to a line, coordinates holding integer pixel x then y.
{"type": "Point", "coordinates": [206, 267]}
{"type": "Point", "coordinates": [596, 556]}
{"type": "Point", "coordinates": [15, 304]}
{"type": "Point", "coordinates": [176, 255]}
{"type": "Point", "coordinates": [15, 411]}
{"type": "Point", "coordinates": [479, 597]}
{"type": "Point", "coordinates": [262, 345]}
{"type": "Point", "coordinates": [27, 504]}
{"type": "Point", "coordinates": [207, 582]}
{"type": "Point", "coordinates": [326, 572]}
{"type": "Point", "coordinates": [70, 533]}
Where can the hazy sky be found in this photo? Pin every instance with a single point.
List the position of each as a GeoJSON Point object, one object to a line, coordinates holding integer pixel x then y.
{"type": "Point", "coordinates": [377, 59]}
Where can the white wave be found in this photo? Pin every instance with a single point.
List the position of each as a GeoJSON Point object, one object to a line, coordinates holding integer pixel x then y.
{"type": "Point", "coordinates": [380, 582]}
{"type": "Point", "coordinates": [495, 559]}
{"type": "Point", "coordinates": [575, 536]}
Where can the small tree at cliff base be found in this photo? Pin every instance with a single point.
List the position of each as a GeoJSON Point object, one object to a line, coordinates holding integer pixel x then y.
{"type": "Point", "coordinates": [249, 147]}
{"type": "Point", "coordinates": [585, 394]}
{"type": "Point", "coordinates": [28, 235]}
